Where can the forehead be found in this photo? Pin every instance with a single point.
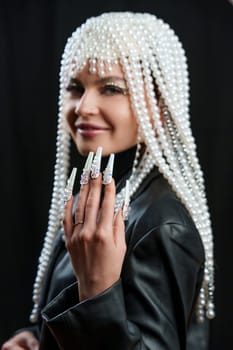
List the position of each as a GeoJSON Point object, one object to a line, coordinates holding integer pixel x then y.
{"type": "Point", "coordinates": [87, 73]}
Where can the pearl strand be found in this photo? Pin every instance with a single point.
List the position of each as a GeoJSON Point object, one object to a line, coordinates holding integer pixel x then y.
{"type": "Point", "coordinates": [195, 219]}
{"type": "Point", "coordinates": [56, 208]}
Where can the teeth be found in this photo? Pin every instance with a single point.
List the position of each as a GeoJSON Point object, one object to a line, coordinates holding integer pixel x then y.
{"type": "Point", "coordinates": [107, 178]}
{"type": "Point", "coordinates": [86, 170]}
{"type": "Point", "coordinates": [95, 167]}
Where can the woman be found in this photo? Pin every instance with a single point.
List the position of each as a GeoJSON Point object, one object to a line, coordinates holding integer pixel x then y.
{"type": "Point", "coordinates": [120, 273]}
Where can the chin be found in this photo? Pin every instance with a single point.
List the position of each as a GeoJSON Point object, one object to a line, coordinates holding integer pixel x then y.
{"type": "Point", "coordinates": [85, 147]}
{"type": "Point", "coordinates": [84, 152]}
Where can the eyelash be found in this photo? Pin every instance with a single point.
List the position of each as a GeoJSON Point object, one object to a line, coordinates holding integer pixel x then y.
{"type": "Point", "coordinates": [108, 90]}
{"type": "Point", "coordinates": [112, 90]}
{"type": "Point", "coordinates": [74, 88]}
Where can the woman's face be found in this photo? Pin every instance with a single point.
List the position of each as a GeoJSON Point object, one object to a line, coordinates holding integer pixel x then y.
{"type": "Point", "coordinates": [98, 112]}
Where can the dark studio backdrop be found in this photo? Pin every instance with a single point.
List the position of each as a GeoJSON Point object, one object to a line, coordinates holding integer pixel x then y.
{"type": "Point", "coordinates": [32, 37]}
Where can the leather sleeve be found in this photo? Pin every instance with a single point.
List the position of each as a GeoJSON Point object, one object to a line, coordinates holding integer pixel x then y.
{"type": "Point", "coordinates": [148, 308]}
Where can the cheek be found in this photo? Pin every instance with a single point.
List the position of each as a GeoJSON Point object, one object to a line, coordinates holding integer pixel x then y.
{"type": "Point", "coordinates": [134, 130]}
{"type": "Point", "coordinates": [129, 121]}
{"type": "Point", "coordinates": [128, 127]}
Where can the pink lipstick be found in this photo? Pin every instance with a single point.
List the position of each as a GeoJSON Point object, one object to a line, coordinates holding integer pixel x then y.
{"type": "Point", "coordinates": [90, 130]}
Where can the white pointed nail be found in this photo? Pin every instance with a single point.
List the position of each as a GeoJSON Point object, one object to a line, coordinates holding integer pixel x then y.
{"type": "Point", "coordinates": [95, 166]}
{"type": "Point", "coordinates": [107, 174]}
{"type": "Point", "coordinates": [125, 207]}
{"type": "Point", "coordinates": [70, 185]}
{"type": "Point", "coordinates": [86, 170]}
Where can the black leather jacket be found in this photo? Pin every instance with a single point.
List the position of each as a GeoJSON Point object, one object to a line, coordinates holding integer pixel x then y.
{"type": "Point", "coordinates": [151, 306]}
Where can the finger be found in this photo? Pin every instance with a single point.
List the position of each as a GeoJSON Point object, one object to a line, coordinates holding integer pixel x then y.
{"type": "Point", "coordinates": [32, 343]}
{"type": "Point", "coordinates": [108, 203]}
{"type": "Point", "coordinates": [24, 340]}
{"type": "Point", "coordinates": [93, 202]}
{"type": "Point", "coordinates": [84, 189]}
{"type": "Point", "coordinates": [28, 341]}
{"type": "Point", "coordinates": [119, 228]}
{"type": "Point", "coordinates": [68, 217]}
{"type": "Point", "coordinates": [81, 204]}
{"type": "Point", "coordinates": [10, 346]}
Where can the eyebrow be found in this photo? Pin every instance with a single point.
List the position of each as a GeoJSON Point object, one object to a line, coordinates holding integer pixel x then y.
{"type": "Point", "coordinates": [108, 79]}
{"type": "Point", "coordinates": [103, 80]}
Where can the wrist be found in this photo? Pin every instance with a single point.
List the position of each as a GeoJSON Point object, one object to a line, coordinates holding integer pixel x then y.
{"type": "Point", "coordinates": [93, 290]}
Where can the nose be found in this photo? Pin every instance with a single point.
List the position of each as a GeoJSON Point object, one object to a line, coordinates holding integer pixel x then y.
{"type": "Point", "coordinates": [87, 104]}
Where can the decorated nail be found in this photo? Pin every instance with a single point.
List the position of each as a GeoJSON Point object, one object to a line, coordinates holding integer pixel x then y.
{"type": "Point", "coordinates": [107, 173]}
{"type": "Point", "coordinates": [125, 206]}
{"type": "Point", "coordinates": [86, 170]}
{"type": "Point", "coordinates": [95, 166]}
{"type": "Point", "coordinates": [70, 184]}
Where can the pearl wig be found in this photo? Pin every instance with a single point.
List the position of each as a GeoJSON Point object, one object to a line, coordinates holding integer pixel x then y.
{"type": "Point", "coordinates": [150, 55]}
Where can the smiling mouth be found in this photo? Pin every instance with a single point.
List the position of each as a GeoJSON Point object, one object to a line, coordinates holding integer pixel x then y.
{"type": "Point", "coordinates": [90, 130]}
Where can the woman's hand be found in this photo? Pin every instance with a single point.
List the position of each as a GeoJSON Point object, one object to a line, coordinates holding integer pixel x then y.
{"type": "Point", "coordinates": [96, 243]}
{"type": "Point", "coordinates": [22, 341]}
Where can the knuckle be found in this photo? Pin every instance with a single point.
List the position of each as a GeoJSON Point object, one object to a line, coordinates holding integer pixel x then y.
{"type": "Point", "coordinates": [79, 211]}
{"type": "Point", "coordinates": [82, 193]}
{"type": "Point", "coordinates": [89, 205]}
{"type": "Point", "coordinates": [6, 346]}
{"type": "Point", "coordinates": [83, 190]}
{"type": "Point", "coordinates": [68, 245]}
{"type": "Point", "coordinates": [74, 242]}
{"type": "Point", "coordinates": [100, 235]}
{"type": "Point", "coordinates": [110, 188]}
{"type": "Point", "coordinates": [85, 236]}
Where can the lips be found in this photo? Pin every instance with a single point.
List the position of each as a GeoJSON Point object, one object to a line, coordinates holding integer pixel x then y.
{"type": "Point", "coordinates": [89, 130]}
{"type": "Point", "coordinates": [87, 126]}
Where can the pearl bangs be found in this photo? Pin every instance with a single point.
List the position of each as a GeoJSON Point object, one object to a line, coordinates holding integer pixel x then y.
{"type": "Point", "coordinates": [149, 52]}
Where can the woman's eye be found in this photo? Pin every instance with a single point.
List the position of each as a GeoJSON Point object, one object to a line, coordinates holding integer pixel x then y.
{"type": "Point", "coordinates": [75, 88]}
{"type": "Point", "coordinates": [112, 90]}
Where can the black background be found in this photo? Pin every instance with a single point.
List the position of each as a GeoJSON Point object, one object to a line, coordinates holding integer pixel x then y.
{"type": "Point", "coordinates": [32, 38]}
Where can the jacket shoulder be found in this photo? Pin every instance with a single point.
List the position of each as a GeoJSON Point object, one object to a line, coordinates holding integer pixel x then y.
{"type": "Point", "coordinates": [157, 209]}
